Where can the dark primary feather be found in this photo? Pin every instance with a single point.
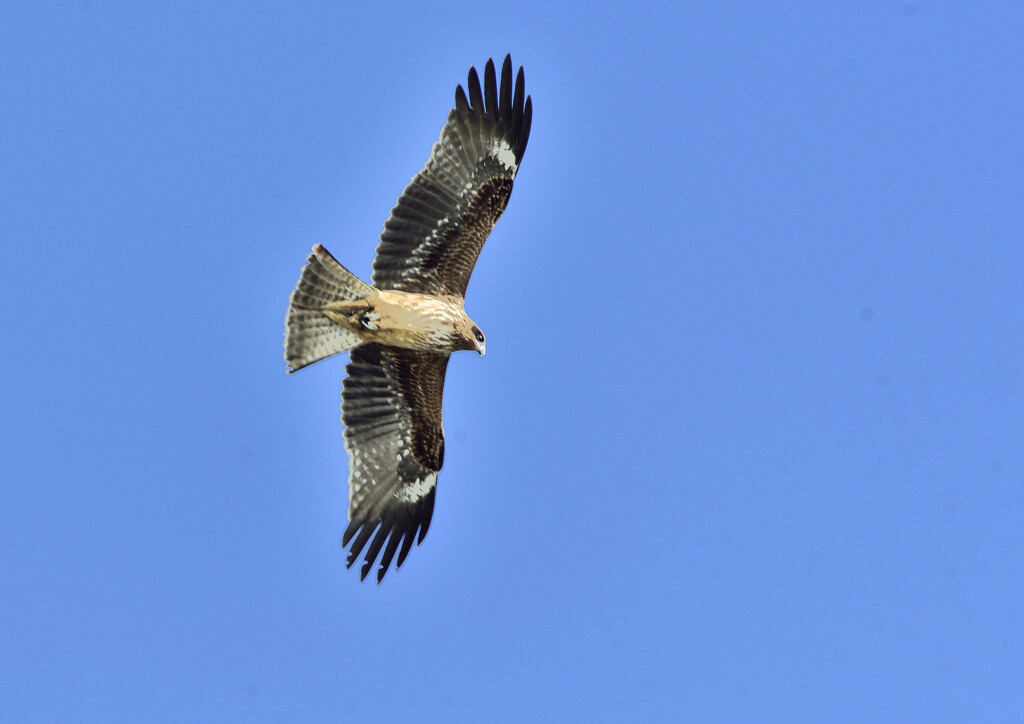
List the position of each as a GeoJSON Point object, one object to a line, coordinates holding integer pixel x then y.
{"type": "Point", "coordinates": [434, 235]}
{"type": "Point", "coordinates": [391, 407]}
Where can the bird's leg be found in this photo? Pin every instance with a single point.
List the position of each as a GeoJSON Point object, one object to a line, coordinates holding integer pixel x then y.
{"type": "Point", "coordinates": [369, 319]}
{"type": "Point", "coordinates": [355, 315]}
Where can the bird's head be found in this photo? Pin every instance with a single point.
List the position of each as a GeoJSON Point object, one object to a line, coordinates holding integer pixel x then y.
{"type": "Point", "coordinates": [479, 343]}
{"type": "Point", "coordinates": [468, 335]}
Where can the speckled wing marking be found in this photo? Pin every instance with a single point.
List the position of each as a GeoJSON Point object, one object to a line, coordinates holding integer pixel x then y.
{"type": "Point", "coordinates": [431, 242]}
{"type": "Point", "coordinates": [391, 407]}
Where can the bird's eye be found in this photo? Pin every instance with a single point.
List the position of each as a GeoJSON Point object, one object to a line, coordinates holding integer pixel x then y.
{"type": "Point", "coordinates": [479, 335]}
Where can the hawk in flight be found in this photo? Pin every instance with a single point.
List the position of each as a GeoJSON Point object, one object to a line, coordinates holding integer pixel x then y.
{"type": "Point", "coordinates": [401, 328]}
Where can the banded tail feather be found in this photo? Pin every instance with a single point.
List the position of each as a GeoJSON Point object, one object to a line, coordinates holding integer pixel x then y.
{"type": "Point", "coordinates": [310, 335]}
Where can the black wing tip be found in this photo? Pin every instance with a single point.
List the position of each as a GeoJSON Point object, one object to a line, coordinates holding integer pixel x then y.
{"type": "Point", "coordinates": [505, 103]}
{"type": "Point", "coordinates": [490, 92]}
{"type": "Point", "coordinates": [524, 129]}
{"type": "Point", "coordinates": [476, 96]}
{"type": "Point", "coordinates": [397, 527]}
{"type": "Point", "coordinates": [461, 102]}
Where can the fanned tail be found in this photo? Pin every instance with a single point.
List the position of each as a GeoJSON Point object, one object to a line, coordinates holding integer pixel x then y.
{"type": "Point", "coordinates": [309, 335]}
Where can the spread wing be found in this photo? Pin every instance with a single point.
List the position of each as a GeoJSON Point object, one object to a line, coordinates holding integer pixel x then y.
{"type": "Point", "coordinates": [439, 225]}
{"type": "Point", "coordinates": [391, 407]}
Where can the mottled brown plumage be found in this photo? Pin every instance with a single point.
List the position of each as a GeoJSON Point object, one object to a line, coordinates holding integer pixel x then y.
{"type": "Point", "coordinates": [402, 329]}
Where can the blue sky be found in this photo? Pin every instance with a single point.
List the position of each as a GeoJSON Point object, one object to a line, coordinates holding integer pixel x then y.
{"type": "Point", "coordinates": [746, 444]}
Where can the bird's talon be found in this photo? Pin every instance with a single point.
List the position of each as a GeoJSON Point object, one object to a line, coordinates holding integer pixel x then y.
{"type": "Point", "coordinates": [369, 320]}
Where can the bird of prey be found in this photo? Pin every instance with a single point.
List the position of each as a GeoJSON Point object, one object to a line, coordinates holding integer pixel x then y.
{"type": "Point", "coordinates": [402, 328]}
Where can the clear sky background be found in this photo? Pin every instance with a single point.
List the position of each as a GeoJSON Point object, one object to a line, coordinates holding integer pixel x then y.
{"type": "Point", "coordinates": [746, 444]}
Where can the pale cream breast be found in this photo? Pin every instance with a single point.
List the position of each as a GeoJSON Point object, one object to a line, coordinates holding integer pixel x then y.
{"type": "Point", "coordinates": [418, 321]}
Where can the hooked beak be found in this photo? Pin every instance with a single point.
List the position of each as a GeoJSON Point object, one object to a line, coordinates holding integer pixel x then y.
{"type": "Point", "coordinates": [481, 348]}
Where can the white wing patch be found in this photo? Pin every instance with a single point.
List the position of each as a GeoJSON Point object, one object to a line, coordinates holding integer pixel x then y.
{"type": "Point", "coordinates": [502, 151]}
{"type": "Point", "coordinates": [417, 491]}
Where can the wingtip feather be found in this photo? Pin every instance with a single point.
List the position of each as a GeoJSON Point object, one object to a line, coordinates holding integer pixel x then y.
{"type": "Point", "coordinates": [505, 103]}
{"type": "Point", "coordinates": [490, 91]}
{"type": "Point", "coordinates": [374, 549]}
{"type": "Point", "coordinates": [517, 105]}
{"type": "Point", "coordinates": [524, 131]}
{"type": "Point", "coordinates": [461, 102]}
{"type": "Point", "coordinates": [476, 98]}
